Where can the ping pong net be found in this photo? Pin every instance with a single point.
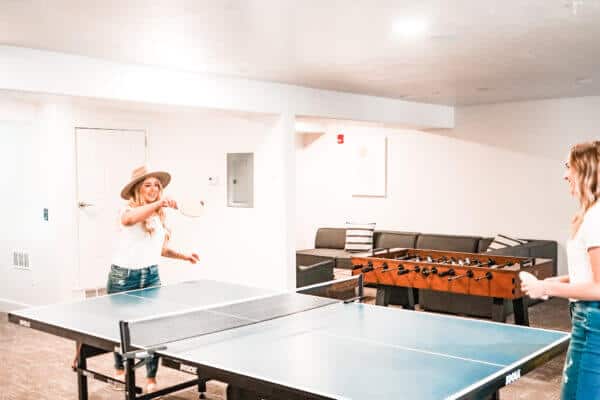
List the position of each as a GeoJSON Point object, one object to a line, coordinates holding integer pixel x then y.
{"type": "Point", "coordinates": [145, 336]}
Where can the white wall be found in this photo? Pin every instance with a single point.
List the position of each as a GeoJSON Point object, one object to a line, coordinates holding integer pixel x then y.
{"type": "Point", "coordinates": [36, 157]}
{"type": "Point", "coordinates": [544, 128]}
{"type": "Point", "coordinates": [243, 245]}
{"type": "Point", "coordinates": [499, 171]}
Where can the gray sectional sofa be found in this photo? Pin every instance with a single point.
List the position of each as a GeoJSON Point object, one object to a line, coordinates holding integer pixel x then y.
{"type": "Point", "coordinates": [329, 245]}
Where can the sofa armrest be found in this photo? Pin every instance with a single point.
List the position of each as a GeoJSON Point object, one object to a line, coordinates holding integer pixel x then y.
{"type": "Point", "coordinates": [314, 273]}
{"type": "Point", "coordinates": [310, 259]}
{"type": "Point", "coordinates": [533, 249]}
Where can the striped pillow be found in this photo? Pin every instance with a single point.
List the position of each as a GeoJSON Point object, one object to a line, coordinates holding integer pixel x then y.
{"type": "Point", "coordinates": [502, 241]}
{"type": "Point", "coordinates": [359, 237]}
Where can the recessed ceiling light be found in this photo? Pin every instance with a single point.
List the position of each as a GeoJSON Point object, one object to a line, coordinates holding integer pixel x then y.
{"type": "Point", "coordinates": [413, 27]}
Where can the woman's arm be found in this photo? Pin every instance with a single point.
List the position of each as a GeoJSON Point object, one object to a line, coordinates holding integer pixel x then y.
{"type": "Point", "coordinates": [142, 213]}
{"type": "Point", "coordinates": [581, 291]}
{"type": "Point", "coordinates": [561, 278]}
{"type": "Point", "coordinates": [170, 253]}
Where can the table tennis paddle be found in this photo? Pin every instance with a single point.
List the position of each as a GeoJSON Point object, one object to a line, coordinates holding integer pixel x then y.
{"type": "Point", "coordinates": [528, 277]}
{"type": "Point", "coordinates": [192, 208]}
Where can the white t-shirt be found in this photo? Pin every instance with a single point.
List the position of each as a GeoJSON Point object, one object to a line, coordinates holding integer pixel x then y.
{"type": "Point", "coordinates": [588, 235]}
{"type": "Point", "coordinates": [134, 248]}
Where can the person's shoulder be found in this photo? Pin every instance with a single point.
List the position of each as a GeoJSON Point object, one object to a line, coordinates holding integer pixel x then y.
{"type": "Point", "coordinates": [592, 215]}
{"type": "Point", "coordinates": [594, 210]}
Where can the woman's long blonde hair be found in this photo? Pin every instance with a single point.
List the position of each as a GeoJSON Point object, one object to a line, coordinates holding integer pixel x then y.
{"type": "Point", "coordinates": [136, 200]}
{"type": "Point", "coordinates": [584, 158]}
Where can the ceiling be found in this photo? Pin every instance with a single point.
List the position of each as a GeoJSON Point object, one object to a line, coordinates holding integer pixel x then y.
{"type": "Point", "coordinates": [475, 51]}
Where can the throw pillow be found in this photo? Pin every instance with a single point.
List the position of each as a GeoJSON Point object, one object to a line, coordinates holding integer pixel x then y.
{"type": "Point", "coordinates": [359, 237]}
{"type": "Point", "coordinates": [503, 241]}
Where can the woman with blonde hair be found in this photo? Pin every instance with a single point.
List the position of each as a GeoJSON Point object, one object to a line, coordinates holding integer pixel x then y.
{"type": "Point", "coordinates": [142, 239]}
{"type": "Point", "coordinates": [581, 375]}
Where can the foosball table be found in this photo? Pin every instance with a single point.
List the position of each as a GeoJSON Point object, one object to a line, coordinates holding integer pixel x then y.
{"type": "Point", "coordinates": [476, 274]}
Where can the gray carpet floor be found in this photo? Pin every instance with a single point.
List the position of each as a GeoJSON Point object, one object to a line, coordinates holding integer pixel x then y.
{"type": "Point", "coordinates": [35, 365]}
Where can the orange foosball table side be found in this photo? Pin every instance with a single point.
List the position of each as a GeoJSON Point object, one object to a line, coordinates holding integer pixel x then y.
{"type": "Point", "coordinates": [473, 274]}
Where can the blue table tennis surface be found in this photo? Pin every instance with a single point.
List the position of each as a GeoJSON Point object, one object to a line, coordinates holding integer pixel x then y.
{"type": "Point", "coordinates": [336, 350]}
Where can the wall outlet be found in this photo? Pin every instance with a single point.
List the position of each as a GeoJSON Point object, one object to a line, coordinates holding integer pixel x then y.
{"type": "Point", "coordinates": [20, 259]}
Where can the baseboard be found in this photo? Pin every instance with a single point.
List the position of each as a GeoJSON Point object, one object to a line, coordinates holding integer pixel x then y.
{"type": "Point", "coordinates": [9, 305]}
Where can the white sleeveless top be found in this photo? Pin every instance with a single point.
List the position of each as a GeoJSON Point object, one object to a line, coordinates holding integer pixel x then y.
{"type": "Point", "coordinates": [588, 235]}
{"type": "Point", "coordinates": [135, 248]}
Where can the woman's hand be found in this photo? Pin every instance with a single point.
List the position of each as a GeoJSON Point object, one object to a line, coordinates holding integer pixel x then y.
{"type": "Point", "coordinates": [167, 202]}
{"type": "Point", "coordinates": [192, 258]}
{"type": "Point", "coordinates": [534, 288]}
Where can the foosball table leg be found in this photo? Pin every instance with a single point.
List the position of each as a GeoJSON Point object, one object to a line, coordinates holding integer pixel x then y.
{"type": "Point", "coordinates": [521, 311]}
{"type": "Point", "coordinates": [498, 313]}
{"type": "Point", "coordinates": [382, 298]}
{"type": "Point", "coordinates": [413, 298]}
{"type": "Point", "coordinates": [407, 297]}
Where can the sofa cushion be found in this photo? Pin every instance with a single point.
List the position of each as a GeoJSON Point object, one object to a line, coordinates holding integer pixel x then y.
{"type": "Point", "coordinates": [448, 242]}
{"type": "Point", "coordinates": [330, 238]}
{"type": "Point", "coordinates": [390, 240]}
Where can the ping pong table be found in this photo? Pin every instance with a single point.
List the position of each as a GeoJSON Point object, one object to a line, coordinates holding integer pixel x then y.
{"type": "Point", "coordinates": [295, 345]}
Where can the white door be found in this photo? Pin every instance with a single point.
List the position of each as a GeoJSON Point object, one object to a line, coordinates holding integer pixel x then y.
{"type": "Point", "coordinates": [105, 159]}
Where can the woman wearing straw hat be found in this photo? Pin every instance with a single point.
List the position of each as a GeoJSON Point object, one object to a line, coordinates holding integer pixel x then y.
{"type": "Point", "coordinates": [142, 239]}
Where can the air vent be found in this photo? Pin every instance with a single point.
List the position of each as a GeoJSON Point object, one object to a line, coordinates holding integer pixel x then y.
{"type": "Point", "coordinates": [21, 259]}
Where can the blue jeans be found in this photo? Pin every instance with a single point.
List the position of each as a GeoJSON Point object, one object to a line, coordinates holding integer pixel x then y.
{"type": "Point", "coordinates": [123, 279]}
{"type": "Point", "coordinates": [581, 375]}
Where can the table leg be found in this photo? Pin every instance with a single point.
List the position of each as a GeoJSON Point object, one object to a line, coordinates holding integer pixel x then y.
{"type": "Point", "coordinates": [130, 379]}
{"type": "Point", "coordinates": [82, 386]}
{"type": "Point", "coordinates": [521, 311]}
{"type": "Point", "coordinates": [235, 393]}
{"type": "Point", "coordinates": [84, 352]}
{"type": "Point", "coordinates": [407, 297]}
{"type": "Point", "coordinates": [382, 298]}
{"type": "Point", "coordinates": [413, 298]}
{"type": "Point", "coordinates": [498, 313]}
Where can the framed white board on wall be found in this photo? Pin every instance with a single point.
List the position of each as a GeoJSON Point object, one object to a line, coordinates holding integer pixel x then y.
{"type": "Point", "coordinates": [368, 166]}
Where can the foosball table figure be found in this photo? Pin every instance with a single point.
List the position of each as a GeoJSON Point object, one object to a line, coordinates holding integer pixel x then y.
{"type": "Point", "coordinates": [408, 270]}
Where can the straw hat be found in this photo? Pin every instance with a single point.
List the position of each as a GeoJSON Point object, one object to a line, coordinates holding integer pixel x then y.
{"type": "Point", "coordinates": [141, 173]}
